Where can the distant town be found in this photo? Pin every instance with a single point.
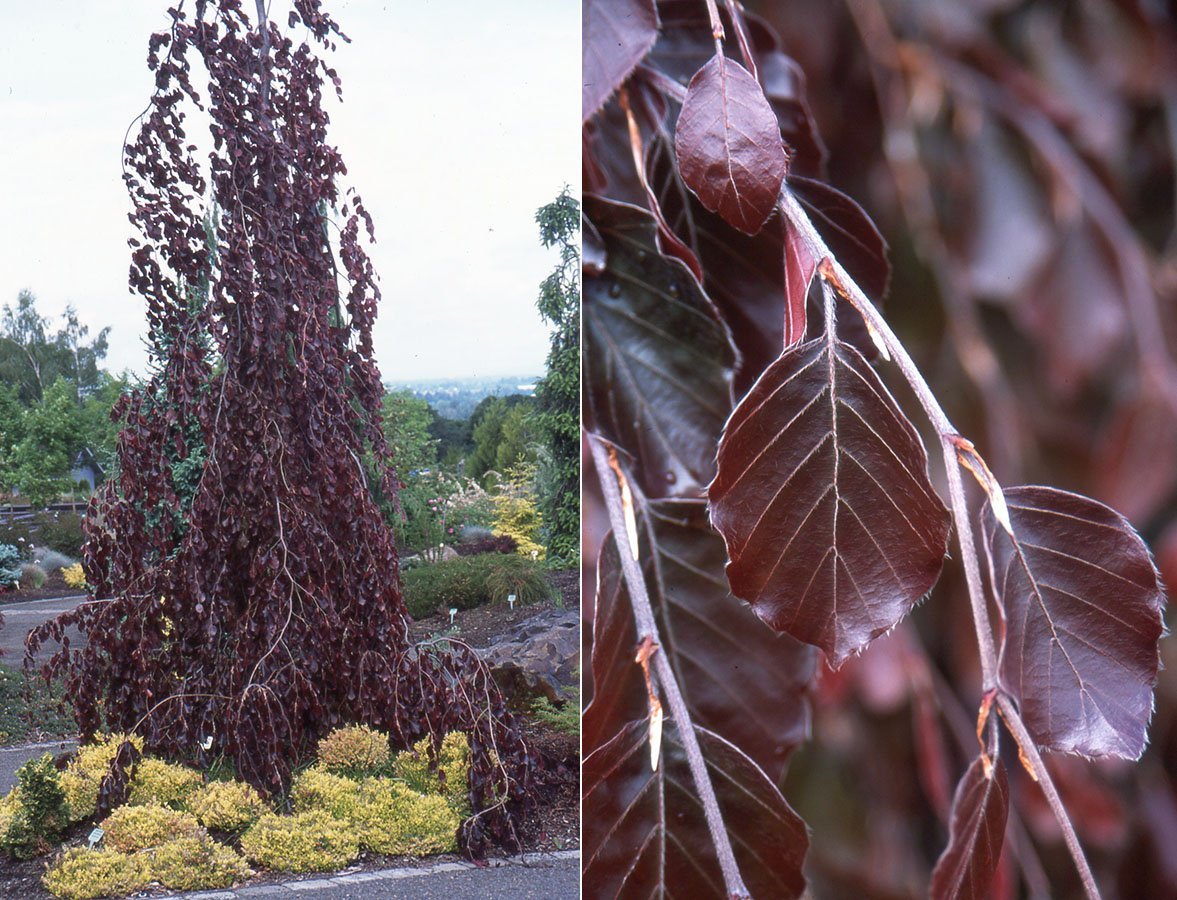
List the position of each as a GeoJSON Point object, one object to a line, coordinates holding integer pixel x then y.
{"type": "Point", "coordinates": [455, 398]}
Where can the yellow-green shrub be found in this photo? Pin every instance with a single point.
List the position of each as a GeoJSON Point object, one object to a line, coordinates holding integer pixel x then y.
{"type": "Point", "coordinates": [394, 819]}
{"type": "Point", "coordinates": [518, 516]}
{"type": "Point", "coordinates": [131, 828]}
{"type": "Point", "coordinates": [312, 841]}
{"type": "Point", "coordinates": [316, 789]}
{"type": "Point", "coordinates": [412, 766]}
{"type": "Point", "coordinates": [9, 807]}
{"type": "Point", "coordinates": [227, 805]}
{"type": "Point", "coordinates": [197, 863]}
{"type": "Point", "coordinates": [74, 576]}
{"type": "Point", "coordinates": [157, 781]}
{"type": "Point", "coordinates": [86, 770]}
{"type": "Point", "coordinates": [82, 874]}
{"type": "Point", "coordinates": [39, 811]}
{"type": "Point", "coordinates": [355, 750]}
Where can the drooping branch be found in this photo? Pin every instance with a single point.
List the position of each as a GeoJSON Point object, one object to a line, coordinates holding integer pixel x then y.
{"type": "Point", "coordinates": [949, 443]}
{"type": "Point", "coordinates": [604, 461]}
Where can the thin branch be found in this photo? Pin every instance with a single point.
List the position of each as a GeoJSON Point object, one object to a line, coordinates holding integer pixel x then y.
{"type": "Point", "coordinates": [831, 270]}
{"type": "Point", "coordinates": [845, 285]}
{"type": "Point", "coordinates": [914, 189]}
{"type": "Point", "coordinates": [1029, 753]}
{"type": "Point", "coordinates": [643, 614]}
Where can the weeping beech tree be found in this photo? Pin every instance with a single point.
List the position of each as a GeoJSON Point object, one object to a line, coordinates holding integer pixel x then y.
{"type": "Point", "coordinates": [247, 592]}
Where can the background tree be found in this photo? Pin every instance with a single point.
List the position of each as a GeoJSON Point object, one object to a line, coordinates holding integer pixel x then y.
{"type": "Point", "coordinates": [282, 615]}
{"type": "Point", "coordinates": [48, 445]}
{"type": "Point", "coordinates": [408, 428]}
{"type": "Point", "coordinates": [558, 392]}
{"type": "Point", "coordinates": [32, 357]}
{"type": "Point", "coordinates": [11, 432]}
{"type": "Point", "coordinates": [487, 422]}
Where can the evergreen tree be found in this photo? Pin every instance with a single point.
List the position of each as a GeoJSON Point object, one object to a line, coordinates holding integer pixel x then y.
{"type": "Point", "coordinates": [558, 392]}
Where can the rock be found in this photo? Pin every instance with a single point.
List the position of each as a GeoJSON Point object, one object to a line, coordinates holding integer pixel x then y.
{"type": "Point", "coordinates": [540, 655]}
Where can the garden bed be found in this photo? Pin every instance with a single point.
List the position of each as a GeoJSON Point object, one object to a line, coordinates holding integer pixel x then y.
{"type": "Point", "coordinates": [552, 825]}
{"type": "Point", "coordinates": [53, 588]}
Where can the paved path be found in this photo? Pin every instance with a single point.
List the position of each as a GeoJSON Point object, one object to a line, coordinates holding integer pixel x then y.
{"type": "Point", "coordinates": [12, 758]}
{"type": "Point", "coordinates": [536, 876]}
{"type": "Point", "coordinates": [21, 618]}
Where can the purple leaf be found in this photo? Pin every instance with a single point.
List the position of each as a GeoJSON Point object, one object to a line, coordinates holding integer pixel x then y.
{"type": "Point", "coordinates": [728, 145]}
{"type": "Point", "coordinates": [1082, 602]}
{"type": "Point", "coordinates": [977, 831]}
{"type": "Point", "coordinates": [617, 34]}
{"type": "Point", "coordinates": [644, 831]}
{"type": "Point", "coordinates": [658, 361]}
{"type": "Point", "coordinates": [833, 529]}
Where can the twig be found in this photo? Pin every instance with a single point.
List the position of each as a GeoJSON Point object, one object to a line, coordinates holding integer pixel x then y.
{"type": "Point", "coordinates": [1030, 754]}
{"type": "Point", "coordinates": [643, 614]}
{"type": "Point", "coordinates": [793, 211]}
{"type": "Point", "coordinates": [832, 271]}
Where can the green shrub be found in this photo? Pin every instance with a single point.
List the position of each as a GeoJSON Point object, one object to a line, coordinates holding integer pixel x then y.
{"type": "Point", "coordinates": [132, 828]}
{"type": "Point", "coordinates": [9, 566]}
{"type": "Point", "coordinates": [85, 772]}
{"type": "Point", "coordinates": [161, 782]}
{"type": "Point", "coordinates": [61, 532]}
{"type": "Point", "coordinates": [317, 790]}
{"type": "Point", "coordinates": [396, 820]}
{"type": "Point", "coordinates": [38, 812]}
{"type": "Point", "coordinates": [525, 578]}
{"type": "Point", "coordinates": [412, 767]}
{"type": "Point", "coordinates": [564, 717]}
{"type": "Point", "coordinates": [82, 874]}
{"type": "Point", "coordinates": [32, 577]}
{"type": "Point", "coordinates": [469, 581]}
{"type": "Point", "coordinates": [9, 807]}
{"type": "Point", "coordinates": [230, 806]}
{"type": "Point", "coordinates": [312, 841]}
{"type": "Point", "coordinates": [197, 864]}
{"type": "Point", "coordinates": [356, 750]}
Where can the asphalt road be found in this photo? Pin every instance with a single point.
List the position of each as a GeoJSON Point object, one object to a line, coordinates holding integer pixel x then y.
{"type": "Point", "coordinates": [535, 877]}
{"type": "Point", "coordinates": [21, 618]}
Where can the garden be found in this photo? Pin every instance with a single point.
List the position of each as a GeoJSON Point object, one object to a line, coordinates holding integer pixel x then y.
{"type": "Point", "coordinates": [304, 623]}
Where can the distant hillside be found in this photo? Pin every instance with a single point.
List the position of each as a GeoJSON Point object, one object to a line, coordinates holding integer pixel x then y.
{"type": "Point", "coordinates": [455, 398]}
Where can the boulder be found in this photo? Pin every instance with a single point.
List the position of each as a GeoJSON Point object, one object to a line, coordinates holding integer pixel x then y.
{"type": "Point", "coordinates": [540, 655]}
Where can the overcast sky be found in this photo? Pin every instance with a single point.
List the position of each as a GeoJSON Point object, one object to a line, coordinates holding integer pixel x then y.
{"type": "Point", "coordinates": [459, 120]}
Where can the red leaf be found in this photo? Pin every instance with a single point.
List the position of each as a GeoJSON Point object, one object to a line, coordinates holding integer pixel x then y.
{"type": "Point", "coordinates": [799, 268]}
{"type": "Point", "coordinates": [977, 831]}
{"type": "Point", "coordinates": [728, 145]}
{"type": "Point", "coordinates": [617, 34]}
{"type": "Point", "coordinates": [644, 830]}
{"type": "Point", "coordinates": [1082, 602]}
{"type": "Point", "coordinates": [833, 529]}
